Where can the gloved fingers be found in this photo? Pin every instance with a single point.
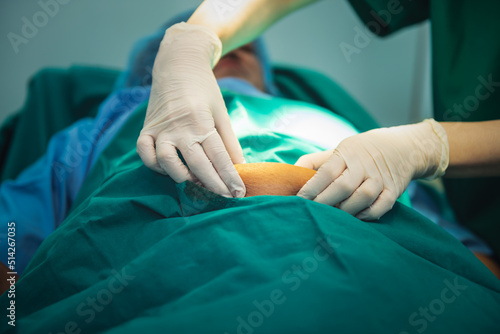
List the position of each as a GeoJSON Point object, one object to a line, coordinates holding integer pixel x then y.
{"type": "Point", "coordinates": [325, 175]}
{"type": "Point", "coordinates": [147, 152]}
{"type": "Point", "coordinates": [342, 187]}
{"type": "Point", "coordinates": [229, 139]}
{"type": "Point", "coordinates": [381, 206]}
{"type": "Point", "coordinates": [363, 197]}
{"type": "Point", "coordinates": [203, 170]}
{"type": "Point", "coordinates": [314, 160]}
{"type": "Point", "coordinates": [170, 162]}
{"type": "Point", "coordinates": [216, 152]}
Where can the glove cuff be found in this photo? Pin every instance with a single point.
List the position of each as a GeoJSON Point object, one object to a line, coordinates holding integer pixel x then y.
{"type": "Point", "coordinates": [440, 132]}
{"type": "Point", "coordinates": [198, 36]}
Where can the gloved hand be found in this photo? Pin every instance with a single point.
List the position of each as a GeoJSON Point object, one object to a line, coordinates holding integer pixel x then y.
{"type": "Point", "coordinates": [366, 173]}
{"type": "Point", "coordinates": [186, 112]}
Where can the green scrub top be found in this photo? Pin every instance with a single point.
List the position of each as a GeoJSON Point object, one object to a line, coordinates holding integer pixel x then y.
{"type": "Point", "coordinates": [466, 84]}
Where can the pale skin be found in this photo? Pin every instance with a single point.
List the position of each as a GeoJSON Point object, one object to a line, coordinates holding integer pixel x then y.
{"type": "Point", "coordinates": [241, 21]}
{"type": "Point", "coordinates": [474, 148]}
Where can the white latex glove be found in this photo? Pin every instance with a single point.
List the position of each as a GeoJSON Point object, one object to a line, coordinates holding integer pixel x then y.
{"type": "Point", "coordinates": [186, 111]}
{"type": "Point", "coordinates": [366, 173]}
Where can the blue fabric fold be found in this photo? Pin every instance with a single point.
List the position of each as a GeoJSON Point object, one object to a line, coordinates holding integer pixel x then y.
{"type": "Point", "coordinates": [40, 198]}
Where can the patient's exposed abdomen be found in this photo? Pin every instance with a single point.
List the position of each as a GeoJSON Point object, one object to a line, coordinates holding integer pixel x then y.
{"type": "Point", "coordinates": [271, 178]}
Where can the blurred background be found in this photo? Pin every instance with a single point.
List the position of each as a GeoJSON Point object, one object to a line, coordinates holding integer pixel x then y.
{"type": "Point", "coordinates": [390, 77]}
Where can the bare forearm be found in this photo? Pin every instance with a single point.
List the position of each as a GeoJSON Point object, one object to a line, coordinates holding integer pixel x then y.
{"type": "Point", "coordinates": [474, 148]}
{"type": "Point", "coordinates": [238, 22]}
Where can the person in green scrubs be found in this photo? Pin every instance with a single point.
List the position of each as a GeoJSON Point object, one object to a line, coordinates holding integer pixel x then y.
{"type": "Point", "coordinates": [466, 92]}
{"type": "Point", "coordinates": [366, 173]}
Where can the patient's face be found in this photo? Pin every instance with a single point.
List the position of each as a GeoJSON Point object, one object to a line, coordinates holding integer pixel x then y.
{"type": "Point", "coordinates": [241, 63]}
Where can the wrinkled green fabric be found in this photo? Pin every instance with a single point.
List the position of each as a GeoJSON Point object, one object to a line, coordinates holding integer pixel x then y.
{"type": "Point", "coordinates": [466, 82]}
{"type": "Point", "coordinates": [139, 253]}
{"type": "Point", "coordinates": [318, 89]}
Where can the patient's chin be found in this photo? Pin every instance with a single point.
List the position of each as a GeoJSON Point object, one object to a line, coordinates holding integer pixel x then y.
{"type": "Point", "coordinates": [270, 178]}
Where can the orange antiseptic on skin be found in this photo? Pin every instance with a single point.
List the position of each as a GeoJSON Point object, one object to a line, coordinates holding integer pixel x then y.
{"type": "Point", "coordinates": [271, 178]}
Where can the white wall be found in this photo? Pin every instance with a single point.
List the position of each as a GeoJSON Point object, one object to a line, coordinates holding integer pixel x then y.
{"type": "Point", "coordinates": [390, 77]}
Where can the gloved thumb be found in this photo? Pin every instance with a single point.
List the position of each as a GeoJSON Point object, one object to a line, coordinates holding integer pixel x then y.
{"type": "Point", "coordinates": [314, 160]}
